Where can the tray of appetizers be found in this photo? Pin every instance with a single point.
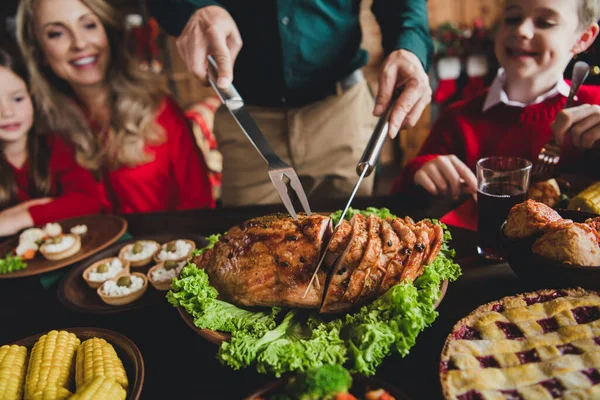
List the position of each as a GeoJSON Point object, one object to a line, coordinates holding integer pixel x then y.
{"type": "Point", "coordinates": [60, 244]}
{"type": "Point", "coordinates": [92, 360]}
{"type": "Point", "coordinates": [127, 275]}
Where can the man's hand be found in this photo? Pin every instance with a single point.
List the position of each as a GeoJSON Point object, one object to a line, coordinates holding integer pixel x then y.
{"type": "Point", "coordinates": [210, 31]}
{"type": "Point", "coordinates": [446, 175]}
{"type": "Point", "coordinates": [403, 68]}
{"type": "Point", "coordinates": [583, 123]}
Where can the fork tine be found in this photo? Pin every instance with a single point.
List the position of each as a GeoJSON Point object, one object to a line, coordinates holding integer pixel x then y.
{"type": "Point", "coordinates": [283, 193]}
{"type": "Point", "coordinates": [297, 186]}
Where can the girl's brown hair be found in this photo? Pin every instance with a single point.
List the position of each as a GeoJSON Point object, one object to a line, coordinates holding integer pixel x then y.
{"type": "Point", "coordinates": [135, 96]}
{"type": "Point", "coordinates": [38, 153]}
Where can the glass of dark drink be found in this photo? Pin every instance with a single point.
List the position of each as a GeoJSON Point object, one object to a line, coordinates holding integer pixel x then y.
{"type": "Point", "coordinates": [502, 182]}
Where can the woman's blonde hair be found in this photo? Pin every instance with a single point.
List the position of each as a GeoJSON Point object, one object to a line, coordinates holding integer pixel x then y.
{"type": "Point", "coordinates": [135, 96]}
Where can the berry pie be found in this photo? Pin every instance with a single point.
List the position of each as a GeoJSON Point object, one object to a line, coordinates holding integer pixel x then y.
{"type": "Point", "coordinates": [540, 345]}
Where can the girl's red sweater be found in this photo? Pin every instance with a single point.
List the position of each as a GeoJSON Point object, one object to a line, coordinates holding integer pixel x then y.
{"type": "Point", "coordinates": [73, 187]}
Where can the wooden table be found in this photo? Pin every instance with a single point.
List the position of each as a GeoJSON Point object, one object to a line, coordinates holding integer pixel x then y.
{"type": "Point", "coordinates": [181, 365]}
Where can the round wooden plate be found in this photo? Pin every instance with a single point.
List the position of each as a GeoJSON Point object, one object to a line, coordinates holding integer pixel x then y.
{"type": "Point", "coordinates": [74, 293]}
{"type": "Point", "coordinates": [103, 230]}
{"type": "Point", "coordinates": [220, 337]}
{"type": "Point", "coordinates": [360, 384]}
{"type": "Point", "coordinates": [127, 351]}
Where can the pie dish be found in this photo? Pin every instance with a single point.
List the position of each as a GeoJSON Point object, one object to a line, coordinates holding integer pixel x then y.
{"type": "Point", "coordinates": [105, 269]}
{"type": "Point", "coordinates": [139, 253]}
{"type": "Point", "coordinates": [113, 293]}
{"type": "Point", "coordinates": [538, 345]}
{"type": "Point", "coordinates": [161, 275]}
{"type": "Point", "coordinates": [175, 250]}
{"type": "Point", "coordinates": [61, 247]}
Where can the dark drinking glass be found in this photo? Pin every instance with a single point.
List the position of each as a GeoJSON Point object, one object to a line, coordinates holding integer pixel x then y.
{"type": "Point", "coordinates": [502, 182]}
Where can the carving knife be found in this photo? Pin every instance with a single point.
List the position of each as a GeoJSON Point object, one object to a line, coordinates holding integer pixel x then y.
{"type": "Point", "coordinates": [365, 167]}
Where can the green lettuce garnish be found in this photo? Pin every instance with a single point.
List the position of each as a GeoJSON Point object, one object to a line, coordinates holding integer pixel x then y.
{"type": "Point", "coordinates": [301, 341]}
{"type": "Point", "coordinates": [11, 264]}
{"type": "Point", "coordinates": [193, 292]}
{"type": "Point", "coordinates": [212, 239]}
{"type": "Point", "coordinates": [382, 213]}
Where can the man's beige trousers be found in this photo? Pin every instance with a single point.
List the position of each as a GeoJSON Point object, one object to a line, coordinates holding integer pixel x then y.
{"type": "Point", "coordinates": [322, 141]}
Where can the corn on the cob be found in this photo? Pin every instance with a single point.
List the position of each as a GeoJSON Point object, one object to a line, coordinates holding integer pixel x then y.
{"type": "Point", "coordinates": [51, 393]}
{"type": "Point", "coordinates": [588, 200]}
{"type": "Point", "coordinates": [51, 362]}
{"type": "Point", "coordinates": [12, 371]}
{"type": "Point", "coordinates": [96, 358]}
{"type": "Point", "coordinates": [100, 388]}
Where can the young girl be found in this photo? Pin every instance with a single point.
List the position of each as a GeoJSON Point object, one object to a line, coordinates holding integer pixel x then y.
{"type": "Point", "coordinates": [40, 181]}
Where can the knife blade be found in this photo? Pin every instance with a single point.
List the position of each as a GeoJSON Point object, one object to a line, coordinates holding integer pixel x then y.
{"type": "Point", "coordinates": [235, 104]}
{"type": "Point", "coordinates": [276, 168]}
{"type": "Point", "coordinates": [364, 168]}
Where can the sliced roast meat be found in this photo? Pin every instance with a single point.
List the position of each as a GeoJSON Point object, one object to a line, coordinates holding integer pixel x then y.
{"type": "Point", "coordinates": [269, 261]}
{"type": "Point", "coordinates": [369, 259]}
{"type": "Point", "coordinates": [338, 244]}
{"type": "Point", "coordinates": [390, 244]}
{"type": "Point", "coordinates": [396, 266]}
{"type": "Point", "coordinates": [436, 243]}
{"type": "Point", "coordinates": [345, 266]}
{"type": "Point", "coordinates": [414, 263]}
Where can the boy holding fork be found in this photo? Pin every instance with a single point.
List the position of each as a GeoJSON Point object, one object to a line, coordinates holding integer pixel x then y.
{"type": "Point", "coordinates": [524, 107]}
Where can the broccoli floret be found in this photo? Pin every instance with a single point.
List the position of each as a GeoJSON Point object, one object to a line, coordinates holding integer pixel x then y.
{"type": "Point", "coordinates": [323, 383]}
{"type": "Point", "coordinates": [280, 396]}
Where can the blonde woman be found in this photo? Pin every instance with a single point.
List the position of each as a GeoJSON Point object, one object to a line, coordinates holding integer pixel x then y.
{"type": "Point", "coordinates": [123, 125]}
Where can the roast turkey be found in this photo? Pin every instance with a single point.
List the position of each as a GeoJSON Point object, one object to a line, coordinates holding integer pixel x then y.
{"type": "Point", "coordinates": [269, 261]}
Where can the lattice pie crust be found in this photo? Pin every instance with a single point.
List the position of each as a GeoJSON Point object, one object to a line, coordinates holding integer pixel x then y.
{"type": "Point", "coordinates": [540, 345]}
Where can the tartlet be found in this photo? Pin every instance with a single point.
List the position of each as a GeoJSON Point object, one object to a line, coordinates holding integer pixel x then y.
{"type": "Point", "coordinates": [119, 300]}
{"type": "Point", "coordinates": [92, 268]}
{"type": "Point", "coordinates": [184, 247]}
{"type": "Point", "coordinates": [164, 284]}
{"type": "Point", "coordinates": [141, 258]}
{"type": "Point", "coordinates": [55, 251]}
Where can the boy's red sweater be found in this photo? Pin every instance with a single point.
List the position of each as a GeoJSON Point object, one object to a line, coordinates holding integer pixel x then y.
{"type": "Point", "coordinates": [467, 132]}
{"type": "Point", "coordinates": [72, 186]}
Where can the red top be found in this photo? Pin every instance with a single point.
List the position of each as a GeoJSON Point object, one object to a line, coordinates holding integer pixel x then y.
{"type": "Point", "coordinates": [467, 132]}
{"type": "Point", "coordinates": [176, 179]}
{"type": "Point", "coordinates": [73, 186]}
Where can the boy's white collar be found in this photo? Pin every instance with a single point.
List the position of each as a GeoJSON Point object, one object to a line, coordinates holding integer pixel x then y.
{"type": "Point", "coordinates": [497, 95]}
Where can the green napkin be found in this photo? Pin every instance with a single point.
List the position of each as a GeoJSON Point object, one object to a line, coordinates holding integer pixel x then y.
{"type": "Point", "coordinates": [50, 278]}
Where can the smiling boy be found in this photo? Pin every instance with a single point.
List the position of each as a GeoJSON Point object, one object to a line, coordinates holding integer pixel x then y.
{"type": "Point", "coordinates": [523, 108]}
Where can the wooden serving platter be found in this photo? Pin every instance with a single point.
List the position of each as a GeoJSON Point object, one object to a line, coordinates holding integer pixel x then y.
{"type": "Point", "coordinates": [127, 351]}
{"type": "Point", "coordinates": [103, 230]}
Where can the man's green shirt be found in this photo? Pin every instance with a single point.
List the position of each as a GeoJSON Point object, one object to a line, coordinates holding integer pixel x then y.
{"type": "Point", "coordinates": [295, 51]}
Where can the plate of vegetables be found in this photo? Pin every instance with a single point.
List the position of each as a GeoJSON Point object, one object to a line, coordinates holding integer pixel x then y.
{"type": "Point", "coordinates": [329, 382]}
{"type": "Point", "coordinates": [86, 362]}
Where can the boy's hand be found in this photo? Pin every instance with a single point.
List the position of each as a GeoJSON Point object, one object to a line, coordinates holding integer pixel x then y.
{"type": "Point", "coordinates": [582, 122]}
{"type": "Point", "coordinates": [446, 175]}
